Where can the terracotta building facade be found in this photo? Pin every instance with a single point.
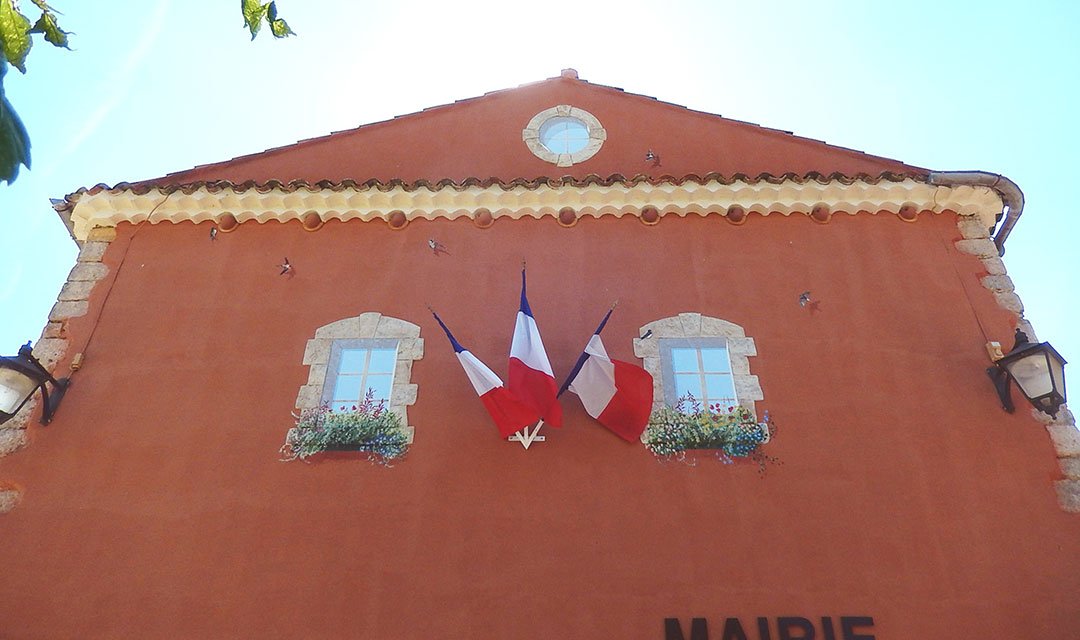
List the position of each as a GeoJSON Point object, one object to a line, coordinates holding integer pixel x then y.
{"type": "Point", "coordinates": [852, 296]}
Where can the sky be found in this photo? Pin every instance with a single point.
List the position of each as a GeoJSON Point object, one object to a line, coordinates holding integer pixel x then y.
{"type": "Point", "coordinates": [946, 86]}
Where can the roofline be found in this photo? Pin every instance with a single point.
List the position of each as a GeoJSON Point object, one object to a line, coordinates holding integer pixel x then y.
{"type": "Point", "coordinates": [563, 77]}
{"type": "Point", "coordinates": [1011, 196]}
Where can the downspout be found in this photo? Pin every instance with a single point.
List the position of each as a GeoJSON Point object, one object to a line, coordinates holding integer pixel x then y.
{"type": "Point", "coordinates": [1011, 196]}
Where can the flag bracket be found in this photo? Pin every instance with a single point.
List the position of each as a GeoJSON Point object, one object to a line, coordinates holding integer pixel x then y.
{"type": "Point", "coordinates": [527, 439]}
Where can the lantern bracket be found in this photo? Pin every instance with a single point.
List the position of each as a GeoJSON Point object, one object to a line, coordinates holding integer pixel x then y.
{"type": "Point", "coordinates": [1000, 377]}
{"type": "Point", "coordinates": [1047, 363]}
{"type": "Point", "coordinates": [27, 365]}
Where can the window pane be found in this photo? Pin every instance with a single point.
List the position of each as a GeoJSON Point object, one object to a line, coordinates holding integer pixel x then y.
{"type": "Point", "coordinates": [688, 384]}
{"type": "Point", "coordinates": [719, 388]}
{"type": "Point", "coordinates": [339, 407]}
{"type": "Point", "coordinates": [564, 134]}
{"type": "Point", "coordinates": [715, 359]}
{"type": "Point", "coordinates": [382, 360]}
{"type": "Point", "coordinates": [347, 389]}
{"type": "Point", "coordinates": [684, 360]}
{"type": "Point", "coordinates": [352, 360]}
{"type": "Point", "coordinates": [380, 384]}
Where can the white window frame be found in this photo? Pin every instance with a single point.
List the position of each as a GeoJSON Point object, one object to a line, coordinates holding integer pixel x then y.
{"type": "Point", "coordinates": [333, 367]}
{"type": "Point", "coordinates": [697, 344]}
{"type": "Point", "coordinates": [694, 329]}
{"type": "Point", "coordinates": [369, 328]}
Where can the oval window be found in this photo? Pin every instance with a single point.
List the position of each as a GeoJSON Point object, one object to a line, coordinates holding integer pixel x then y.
{"type": "Point", "coordinates": [564, 134]}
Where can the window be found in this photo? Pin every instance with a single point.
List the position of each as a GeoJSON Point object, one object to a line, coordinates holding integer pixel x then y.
{"type": "Point", "coordinates": [350, 356]}
{"type": "Point", "coordinates": [359, 366]}
{"type": "Point", "coordinates": [699, 368]}
{"type": "Point", "coordinates": [564, 135]}
{"type": "Point", "coordinates": [703, 356]}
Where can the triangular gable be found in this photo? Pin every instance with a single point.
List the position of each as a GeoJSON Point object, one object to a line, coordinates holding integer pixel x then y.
{"type": "Point", "coordinates": [482, 138]}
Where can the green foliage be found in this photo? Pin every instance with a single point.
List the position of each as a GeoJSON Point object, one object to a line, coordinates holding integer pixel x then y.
{"type": "Point", "coordinates": [254, 14]}
{"type": "Point", "coordinates": [278, 27]}
{"type": "Point", "coordinates": [16, 41]}
{"type": "Point", "coordinates": [14, 34]}
{"type": "Point", "coordinates": [14, 142]}
{"type": "Point", "coordinates": [734, 433]}
{"type": "Point", "coordinates": [369, 427]}
{"type": "Point", "coordinates": [15, 31]}
{"type": "Point", "coordinates": [48, 26]}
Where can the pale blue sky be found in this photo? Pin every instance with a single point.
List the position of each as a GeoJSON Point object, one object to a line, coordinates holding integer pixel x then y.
{"type": "Point", "coordinates": [947, 86]}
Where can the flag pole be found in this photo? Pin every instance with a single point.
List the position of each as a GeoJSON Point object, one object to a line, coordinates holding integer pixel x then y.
{"type": "Point", "coordinates": [524, 437]}
{"type": "Point", "coordinates": [584, 356]}
{"type": "Point", "coordinates": [453, 342]}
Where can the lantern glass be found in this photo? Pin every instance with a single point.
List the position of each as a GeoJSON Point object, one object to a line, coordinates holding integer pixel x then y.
{"type": "Point", "coordinates": [1032, 373]}
{"type": "Point", "coordinates": [1057, 372]}
{"type": "Point", "coordinates": [15, 388]}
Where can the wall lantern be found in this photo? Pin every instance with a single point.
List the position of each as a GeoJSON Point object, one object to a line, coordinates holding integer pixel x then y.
{"type": "Point", "coordinates": [1038, 370]}
{"type": "Point", "coordinates": [20, 377]}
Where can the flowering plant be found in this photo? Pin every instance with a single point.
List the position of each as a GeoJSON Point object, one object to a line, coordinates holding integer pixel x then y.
{"type": "Point", "coordinates": [733, 433]}
{"type": "Point", "coordinates": [367, 427]}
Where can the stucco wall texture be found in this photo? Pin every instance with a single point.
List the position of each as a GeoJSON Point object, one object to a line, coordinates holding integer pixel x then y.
{"type": "Point", "coordinates": [155, 506]}
{"type": "Point", "coordinates": [481, 138]}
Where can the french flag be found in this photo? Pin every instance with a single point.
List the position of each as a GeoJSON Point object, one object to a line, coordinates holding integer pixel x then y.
{"type": "Point", "coordinates": [509, 413]}
{"type": "Point", "coordinates": [531, 379]}
{"type": "Point", "coordinates": [619, 395]}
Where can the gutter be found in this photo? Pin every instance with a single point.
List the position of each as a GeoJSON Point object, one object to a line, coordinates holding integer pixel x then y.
{"type": "Point", "coordinates": [1011, 196]}
{"type": "Point", "coordinates": [63, 208]}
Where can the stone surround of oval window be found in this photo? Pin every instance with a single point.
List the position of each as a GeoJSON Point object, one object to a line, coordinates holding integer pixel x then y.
{"type": "Point", "coordinates": [537, 131]}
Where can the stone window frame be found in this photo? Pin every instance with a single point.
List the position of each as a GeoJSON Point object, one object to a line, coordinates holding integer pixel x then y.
{"type": "Point", "coordinates": [696, 326]}
{"type": "Point", "coordinates": [531, 135]}
{"type": "Point", "coordinates": [366, 326]}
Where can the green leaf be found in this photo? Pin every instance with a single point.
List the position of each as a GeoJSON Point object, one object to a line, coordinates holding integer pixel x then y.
{"type": "Point", "coordinates": [280, 28]}
{"type": "Point", "coordinates": [47, 25]}
{"type": "Point", "coordinates": [253, 11]}
{"type": "Point", "coordinates": [14, 35]}
{"type": "Point", "coordinates": [14, 142]}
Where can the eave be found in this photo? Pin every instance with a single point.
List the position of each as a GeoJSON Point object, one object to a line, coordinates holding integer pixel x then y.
{"type": "Point", "coordinates": [398, 202]}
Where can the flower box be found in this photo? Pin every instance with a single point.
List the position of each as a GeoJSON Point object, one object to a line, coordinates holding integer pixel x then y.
{"type": "Point", "coordinates": [732, 434]}
{"type": "Point", "coordinates": [368, 428]}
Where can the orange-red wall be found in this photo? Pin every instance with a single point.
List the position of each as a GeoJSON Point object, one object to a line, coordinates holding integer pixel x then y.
{"type": "Point", "coordinates": [481, 138]}
{"type": "Point", "coordinates": [155, 504]}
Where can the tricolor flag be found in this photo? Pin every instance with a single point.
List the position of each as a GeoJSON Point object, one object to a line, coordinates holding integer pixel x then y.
{"type": "Point", "coordinates": [618, 394]}
{"type": "Point", "coordinates": [530, 376]}
{"type": "Point", "coordinates": [509, 413]}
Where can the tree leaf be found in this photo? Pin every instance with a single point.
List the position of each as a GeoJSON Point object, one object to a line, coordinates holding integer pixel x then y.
{"type": "Point", "coordinates": [14, 141]}
{"type": "Point", "coordinates": [44, 6]}
{"type": "Point", "coordinates": [47, 25]}
{"type": "Point", "coordinates": [253, 11]}
{"type": "Point", "coordinates": [14, 35]}
{"type": "Point", "coordinates": [280, 28]}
